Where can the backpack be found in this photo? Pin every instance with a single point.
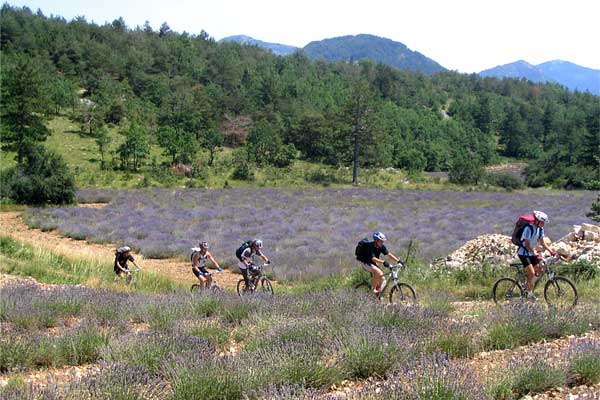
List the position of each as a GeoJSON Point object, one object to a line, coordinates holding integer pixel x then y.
{"type": "Point", "coordinates": [361, 248]}
{"type": "Point", "coordinates": [244, 246]}
{"type": "Point", "coordinates": [194, 251]}
{"type": "Point", "coordinates": [520, 224]}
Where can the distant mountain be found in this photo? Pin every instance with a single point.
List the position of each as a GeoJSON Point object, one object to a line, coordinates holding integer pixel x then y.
{"type": "Point", "coordinates": [276, 48]}
{"type": "Point", "coordinates": [573, 76]}
{"type": "Point", "coordinates": [381, 50]}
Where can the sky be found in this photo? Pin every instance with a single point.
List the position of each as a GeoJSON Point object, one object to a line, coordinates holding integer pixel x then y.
{"type": "Point", "coordinates": [462, 35]}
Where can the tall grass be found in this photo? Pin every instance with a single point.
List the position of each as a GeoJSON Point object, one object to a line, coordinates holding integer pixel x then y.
{"type": "Point", "coordinates": [17, 258]}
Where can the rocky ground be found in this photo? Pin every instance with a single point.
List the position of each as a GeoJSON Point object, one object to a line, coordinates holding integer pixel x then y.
{"type": "Point", "coordinates": [582, 243]}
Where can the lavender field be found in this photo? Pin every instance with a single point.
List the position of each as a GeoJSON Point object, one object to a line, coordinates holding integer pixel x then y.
{"type": "Point", "coordinates": [220, 346]}
{"type": "Point", "coordinates": [307, 232]}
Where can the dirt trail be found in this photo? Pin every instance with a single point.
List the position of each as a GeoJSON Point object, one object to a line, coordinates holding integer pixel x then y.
{"type": "Point", "coordinates": [11, 224]}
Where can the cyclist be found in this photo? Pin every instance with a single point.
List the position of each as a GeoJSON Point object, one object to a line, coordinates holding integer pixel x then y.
{"type": "Point", "coordinates": [246, 253]}
{"type": "Point", "coordinates": [369, 254]}
{"type": "Point", "coordinates": [122, 256]}
{"type": "Point", "coordinates": [527, 252]}
{"type": "Point", "coordinates": [199, 256]}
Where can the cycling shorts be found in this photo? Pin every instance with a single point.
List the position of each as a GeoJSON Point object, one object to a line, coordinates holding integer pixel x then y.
{"type": "Point", "coordinates": [201, 271]}
{"type": "Point", "coordinates": [529, 260]}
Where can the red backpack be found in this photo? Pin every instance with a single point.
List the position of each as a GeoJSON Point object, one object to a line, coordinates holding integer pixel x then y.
{"type": "Point", "coordinates": [522, 222]}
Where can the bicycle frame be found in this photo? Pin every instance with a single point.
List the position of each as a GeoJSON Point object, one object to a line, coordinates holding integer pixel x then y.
{"type": "Point", "coordinates": [392, 277]}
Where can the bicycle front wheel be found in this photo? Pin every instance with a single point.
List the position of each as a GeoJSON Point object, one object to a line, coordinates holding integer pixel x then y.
{"type": "Point", "coordinates": [241, 287]}
{"type": "Point", "coordinates": [560, 292]}
{"type": "Point", "coordinates": [195, 288]}
{"type": "Point", "coordinates": [402, 293]}
{"type": "Point", "coordinates": [507, 291]}
{"type": "Point", "coordinates": [265, 285]}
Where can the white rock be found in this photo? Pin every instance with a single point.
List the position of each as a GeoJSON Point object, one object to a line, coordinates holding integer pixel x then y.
{"type": "Point", "coordinates": [590, 228]}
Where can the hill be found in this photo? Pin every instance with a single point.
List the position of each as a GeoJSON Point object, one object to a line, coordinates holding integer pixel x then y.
{"type": "Point", "coordinates": [381, 50]}
{"type": "Point", "coordinates": [572, 76]}
{"type": "Point", "coordinates": [276, 48]}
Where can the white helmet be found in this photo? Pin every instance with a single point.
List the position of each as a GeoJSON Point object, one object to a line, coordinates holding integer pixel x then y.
{"type": "Point", "coordinates": [379, 236]}
{"type": "Point", "coordinates": [540, 216]}
{"type": "Point", "coordinates": [124, 249]}
{"type": "Point", "coordinates": [258, 243]}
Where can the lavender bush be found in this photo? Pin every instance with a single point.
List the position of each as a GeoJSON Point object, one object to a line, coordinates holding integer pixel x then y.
{"type": "Point", "coordinates": [307, 232]}
{"type": "Point", "coordinates": [584, 362]}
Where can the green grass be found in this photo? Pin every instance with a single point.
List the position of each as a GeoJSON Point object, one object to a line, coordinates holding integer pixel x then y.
{"type": "Point", "coordinates": [21, 259]}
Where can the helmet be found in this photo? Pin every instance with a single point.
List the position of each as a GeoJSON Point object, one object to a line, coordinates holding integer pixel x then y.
{"type": "Point", "coordinates": [258, 243]}
{"type": "Point", "coordinates": [124, 249]}
{"type": "Point", "coordinates": [540, 216]}
{"type": "Point", "coordinates": [379, 236]}
{"type": "Point", "coordinates": [203, 245]}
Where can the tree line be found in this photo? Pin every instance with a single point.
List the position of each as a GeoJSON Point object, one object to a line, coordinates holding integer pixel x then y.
{"type": "Point", "coordinates": [188, 93]}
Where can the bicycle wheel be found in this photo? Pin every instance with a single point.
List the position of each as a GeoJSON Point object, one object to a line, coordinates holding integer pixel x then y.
{"type": "Point", "coordinates": [560, 292]}
{"type": "Point", "coordinates": [265, 285]}
{"type": "Point", "coordinates": [402, 293]}
{"type": "Point", "coordinates": [506, 291]}
{"type": "Point", "coordinates": [241, 287]}
{"type": "Point", "coordinates": [195, 288]}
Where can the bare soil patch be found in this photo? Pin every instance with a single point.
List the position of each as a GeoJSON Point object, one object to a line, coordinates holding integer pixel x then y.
{"type": "Point", "coordinates": [12, 225]}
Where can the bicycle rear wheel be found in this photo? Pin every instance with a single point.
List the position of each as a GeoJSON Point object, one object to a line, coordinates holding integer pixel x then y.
{"type": "Point", "coordinates": [507, 291]}
{"type": "Point", "coordinates": [195, 288]}
{"type": "Point", "coordinates": [402, 293]}
{"type": "Point", "coordinates": [560, 293]}
{"type": "Point", "coordinates": [265, 285]}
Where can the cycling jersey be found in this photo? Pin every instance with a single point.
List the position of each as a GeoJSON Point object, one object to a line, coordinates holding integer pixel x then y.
{"type": "Point", "coordinates": [121, 260]}
{"type": "Point", "coordinates": [369, 251]}
{"type": "Point", "coordinates": [533, 234]}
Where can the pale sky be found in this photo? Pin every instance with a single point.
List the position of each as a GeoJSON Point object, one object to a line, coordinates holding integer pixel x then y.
{"type": "Point", "coordinates": [462, 35]}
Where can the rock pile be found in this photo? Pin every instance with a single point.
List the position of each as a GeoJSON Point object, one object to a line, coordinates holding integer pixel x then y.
{"type": "Point", "coordinates": [582, 243]}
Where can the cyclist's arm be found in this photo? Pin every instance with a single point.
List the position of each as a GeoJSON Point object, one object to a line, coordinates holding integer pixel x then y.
{"type": "Point", "coordinates": [376, 260]}
{"type": "Point", "coordinates": [212, 260]}
{"type": "Point", "coordinates": [527, 245]}
{"type": "Point", "coordinates": [265, 258]}
{"type": "Point", "coordinates": [393, 257]}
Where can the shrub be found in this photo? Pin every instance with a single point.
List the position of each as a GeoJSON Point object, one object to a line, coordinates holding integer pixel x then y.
{"type": "Point", "coordinates": [44, 178]}
{"type": "Point", "coordinates": [536, 379]}
{"type": "Point", "coordinates": [243, 172]}
{"type": "Point", "coordinates": [364, 358]}
{"type": "Point", "coordinates": [504, 180]}
{"type": "Point", "coordinates": [584, 362]}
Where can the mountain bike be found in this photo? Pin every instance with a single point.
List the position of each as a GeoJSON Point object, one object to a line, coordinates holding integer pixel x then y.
{"type": "Point", "coordinates": [258, 281]}
{"type": "Point", "coordinates": [400, 292]}
{"type": "Point", "coordinates": [208, 285]}
{"type": "Point", "coordinates": [559, 292]}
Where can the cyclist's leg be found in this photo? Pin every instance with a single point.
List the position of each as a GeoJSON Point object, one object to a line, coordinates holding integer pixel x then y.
{"type": "Point", "coordinates": [245, 274]}
{"type": "Point", "coordinates": [377, 276]}
{"type": "Point", "coordinates": [528, 264]}
{"type": "Point", "coordinates": [200, 275]}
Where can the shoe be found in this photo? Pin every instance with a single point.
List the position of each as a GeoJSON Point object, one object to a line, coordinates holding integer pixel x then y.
{"type": "Point", "coordinates": [531, 296]}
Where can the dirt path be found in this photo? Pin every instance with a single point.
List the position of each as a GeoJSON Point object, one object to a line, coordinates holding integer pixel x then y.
{"type": "Point", "coordinates": [11, 224]}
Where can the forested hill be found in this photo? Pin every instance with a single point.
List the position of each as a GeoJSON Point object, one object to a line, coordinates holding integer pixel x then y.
{"type": "Point", "coordinates": [188, 92]}
{"type": "Point", "coordinates": [277, 48]}
{"type": "Point", "coordinates": [573, 76]}
{"type": "Point", "coordinates": [378, 49]}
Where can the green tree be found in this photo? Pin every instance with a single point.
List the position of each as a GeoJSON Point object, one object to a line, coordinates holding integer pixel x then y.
{"type": "Point", "coordinates": [135, 148]}
{"type": "Point", "coordinates": [466, 169]}
{"type": "Point", "coordinates": [102, 141]}
{"type": "Point", "coordinates": [212, 140]}
{"type": "Point", "coordinates": [42, 178]}
{"type": "Point", "coordinates": [22, 104]}
{"type": "Point", "coordinates": [179, 145]}
{"type": "Point", "coordinates": [594, 214]}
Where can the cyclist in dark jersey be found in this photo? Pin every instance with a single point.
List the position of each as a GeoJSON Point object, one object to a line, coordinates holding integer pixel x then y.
{"type": "Point", "coordinates": [122, 256]}
{"type": "Point", "coordinates": [370, 255]}
{"type": "Point", "coordinates": [199, 256]}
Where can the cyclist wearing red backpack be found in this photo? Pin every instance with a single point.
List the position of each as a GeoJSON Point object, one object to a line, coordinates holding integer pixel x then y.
{"type": "Point", "coordinates": [532, 234]}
